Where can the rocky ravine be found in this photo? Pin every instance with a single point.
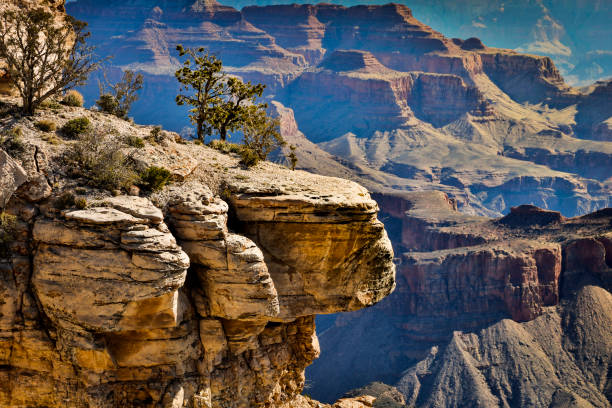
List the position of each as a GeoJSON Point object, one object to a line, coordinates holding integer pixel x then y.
{"type": "Point", "coordinates": [515, 311]}
{"type": "Point", "coordinates": [183, 298]}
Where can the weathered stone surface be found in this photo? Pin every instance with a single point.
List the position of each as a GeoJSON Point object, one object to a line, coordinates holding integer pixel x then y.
{"type": "Point", "coordinates": [139, 207]}
{"type": "Point", "coordinates": [310, 240]}
{"type": "Point", "coordinates": [12, 175]}
{"type": "Point", "coordinates": [124, 278]}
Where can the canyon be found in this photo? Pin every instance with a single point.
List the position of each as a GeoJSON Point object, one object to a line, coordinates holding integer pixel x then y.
{"type": "Point", "coordinates": [385, 99]}
{"type": "Point", "coordinates": [511, 311]}
{"type": "Point", "coordinates": [483, 178]}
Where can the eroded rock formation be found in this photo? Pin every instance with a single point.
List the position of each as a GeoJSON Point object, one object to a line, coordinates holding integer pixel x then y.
{"type": "Point", "coordinates": [194, 301]}
{"type": "Point", "coordinates": [487, 312]}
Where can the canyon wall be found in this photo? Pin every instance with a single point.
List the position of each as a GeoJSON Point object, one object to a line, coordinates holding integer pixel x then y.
{"type": "Point", "coordinates": [394, 103]}
{"type": "Point", "coordinates": [488, 311]}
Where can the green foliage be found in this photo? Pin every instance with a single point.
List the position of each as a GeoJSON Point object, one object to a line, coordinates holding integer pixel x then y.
{"type": "Point", "coordinates": [135, 141]}
{"type": "Point", "coordinates": [234, 111]}
{"type": "Point", "coordinates": [64, 201]}
{"type": "Point", "coordinates": [292, 157]}
{"type": "Point", "coordinates": [80, 203]}
{"type": "Point", "coordinates": [44, 56]}
{"type": "Point", "coordinates": [8, 229]}
{"type": "Point", "coordinates": [117, 99]}
{"type": "Point", "coordinates": [219, 102]}
{"type": "Point", "coordinates": [46, 125]}
{"type": "Point", "coordinates": [156, 135]}
{"type": "Point", "coordinates": [76, 127]}
{"type": "Point", "coordinates": [73, 98]}
{"type": "Point", "coordinates": [155, 178]}
{"type": "Point", "coordinates": [108, 104]}
{"type": "Point", "coordinates": [101, 160]}
{"type": "Point", "coordinates": [248, 156]}
{"type": "Point", "coordinates": [51, 104]}
{"type": "Point", "coordinates": [261, 133]}
{"type": "Point", "coordinates": [225, 147]}
{"type": "Point", "coordinates": [12, 142]}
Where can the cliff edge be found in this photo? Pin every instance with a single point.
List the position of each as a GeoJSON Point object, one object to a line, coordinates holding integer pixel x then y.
{"type": "Point", "coordinates": [202, 294]}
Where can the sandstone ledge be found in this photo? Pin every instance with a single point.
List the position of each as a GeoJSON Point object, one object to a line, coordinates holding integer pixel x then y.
{"type": "Point", "coordinates": [204, 299]}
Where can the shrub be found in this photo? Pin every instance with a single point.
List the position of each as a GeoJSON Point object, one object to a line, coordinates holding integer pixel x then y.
{"type": "Point", "coordinates": [51, 139]}
{"type": "Point", "coordinates": [155, 178]}
{"type": "Point", "coordinates": [261, 133]}
{"type": "Point", "coordinates": [46, 125]}
{"type": "Point", "coordinates": [248, 156]}
{"type": "Point", "coordinates": [117, 99]}
{"type": "Point", "coordinates": [73, 98]}
{"type": "Point", "coordinates": [12, 143]}
{"type": "Point", "coordinates": [80, 203]}
{"type": "Point", "coordinates": [156, 135]}
{"type": "Point", "coordinates": [135, 141]}
{"type": "Point", "coordinates": [292, 157]}
{"type": "Point", "coordinates": [50, 104]}
{"type": "Point", "coordinates": [66, 200]}
{"type": "Point", "coordinates": [76, 127]}
{"type": "Point", "coordinates": [8, 228]}
{"type": "Point", "coordinates": [100, 159]}
{"type": "Point", "coordinates": [108, 103]}
{"type": "Point", "coordinates": [225, 147]}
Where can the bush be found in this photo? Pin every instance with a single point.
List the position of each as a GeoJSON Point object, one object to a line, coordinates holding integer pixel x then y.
{"type": "Point", "coordinates": [135, 141]}
{"type": "Point", "coordinates": [8, 228]}
{"type": "Point", "coordinates": [73, 98]}
{"type": "Point", "coordinates": [66, 200]}
{"type": "Point", "coordinates": [108, 103]}
{"type": "Point", "coordinates": [248, 156]}
{"type": "Point", "coordinates": [117, 99]}
{"type": "Point", "coordinates": [225, 147]}
{"type": "Point", "coordinates": [50, 104]}
{"type": "Point", "coordinates": [155, 178]}
{"type": "Point", "coordinates": [46, 125]}
{"type": "Point", "coordinates": [76, 127]}
{"type": "Point", "coordinates": [262, 133]}
{"type": "Point", "coordinates": [80, 203]}
{"type": "Point", "coordinates": [156, 135]}
{"type": "Point", "coordinates": [292, 157]}
{"type": "Point", "coordinates": [100, 159]}
{"type": "Point", "coordinates": [12, 142]}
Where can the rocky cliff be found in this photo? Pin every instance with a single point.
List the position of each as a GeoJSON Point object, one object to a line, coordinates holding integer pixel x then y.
{"type": "Point", "coordinates": [200, 295]}
{"type": "Point", "coordinates": [488, 312]}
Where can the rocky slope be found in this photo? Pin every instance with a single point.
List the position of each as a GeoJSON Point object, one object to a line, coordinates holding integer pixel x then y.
{"type": "Point", "coordinates": [200, 295]}
{"type": "Point", "coordinates": [394, 103]}
{"type": "Point", "coordinates": [513, 311]}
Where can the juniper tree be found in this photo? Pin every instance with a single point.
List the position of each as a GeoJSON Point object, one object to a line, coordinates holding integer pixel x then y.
{"type": "Point", "coordinates": [232, 113]}
{"type": "Point", "coordinates": [261, 132]}
{"type": "Point", "coordinates": [203, 86]}
{"type": "Point", "coordinates": [117, 98]}
{"type": "Point", "coordinates": [44, 56]}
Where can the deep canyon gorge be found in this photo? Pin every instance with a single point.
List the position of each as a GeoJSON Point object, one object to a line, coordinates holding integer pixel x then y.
{"type": "Point", "coordinates": [445, 242]}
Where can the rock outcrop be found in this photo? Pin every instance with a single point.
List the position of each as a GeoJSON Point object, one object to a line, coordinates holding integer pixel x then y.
{"type": "Point", "coordinates": [201, 295]}
{"type": "Point", "coordinates": [480, 304]}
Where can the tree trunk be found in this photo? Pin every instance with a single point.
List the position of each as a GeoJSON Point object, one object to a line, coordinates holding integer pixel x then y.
{"type": "Point", "coordinates": [200, 129]}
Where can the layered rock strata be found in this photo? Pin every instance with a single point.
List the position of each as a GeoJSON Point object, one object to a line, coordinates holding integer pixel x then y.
{"type": "Point", "coordinates": [480, 303]}
{"type": "Point", "coordinates": [194, 301]}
